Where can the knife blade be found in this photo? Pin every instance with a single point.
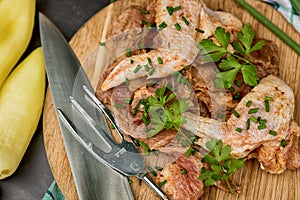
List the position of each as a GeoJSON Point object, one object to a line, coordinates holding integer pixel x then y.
{"type": "Point", "coordinates": [80, 113]}
{"type": "Point", "coordinates": [93, 179]}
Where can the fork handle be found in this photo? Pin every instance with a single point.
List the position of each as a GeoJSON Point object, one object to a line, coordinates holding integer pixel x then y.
{"type": "Point", "coordinates": [154, 187]}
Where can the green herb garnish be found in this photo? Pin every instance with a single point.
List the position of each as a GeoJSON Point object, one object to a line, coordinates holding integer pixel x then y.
{"type": "Point", "coordinates": [221, 164]}
{"type": "Point", "coordinates": [164, 115]}
{"type": "Point", "coordinates": [231, 63]}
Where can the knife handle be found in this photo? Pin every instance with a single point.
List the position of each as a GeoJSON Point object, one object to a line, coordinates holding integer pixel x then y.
{"type": "Point", "coordinates": [154, 187]}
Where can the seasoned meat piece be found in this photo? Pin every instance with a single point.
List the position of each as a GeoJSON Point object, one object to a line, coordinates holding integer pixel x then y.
{"type": "Point", "coordinates": [180, 185]}
{"type": "Point", "coordinates": [130, 19]}
{"type": "Point", "coordinates": [245, 135]}
{"type": "Point", "coordinates": [150, 17]}
{"type": "Point", "coordinates": [202, 79]}
{"type": "Point", "coordinates": [175, 46]}
{"type": "Point", "coordinates": [265, 59]}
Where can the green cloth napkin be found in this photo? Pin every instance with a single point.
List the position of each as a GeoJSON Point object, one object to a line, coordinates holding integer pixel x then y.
{"type": "Point", "coordinates": [286, 8]}
{"type": "Point", "coordinates": [53, 193]}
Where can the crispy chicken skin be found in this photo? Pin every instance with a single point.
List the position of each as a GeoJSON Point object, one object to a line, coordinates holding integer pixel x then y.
{"type": "Point", "coordinates": [272, 156]}
{"type": "Point", "coordinates": [176, 48]}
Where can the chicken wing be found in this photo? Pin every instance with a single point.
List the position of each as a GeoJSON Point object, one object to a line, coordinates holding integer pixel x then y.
{"type": "Point", "coordinates": [176, 43]}
{"type": "Point", "coordinates": [262, 127]}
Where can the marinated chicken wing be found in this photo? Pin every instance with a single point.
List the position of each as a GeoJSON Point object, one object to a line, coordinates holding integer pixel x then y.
{"type": "Point", "coordinates": [262, 126]}
{"type": "Point", "coordinates": [180, 24]}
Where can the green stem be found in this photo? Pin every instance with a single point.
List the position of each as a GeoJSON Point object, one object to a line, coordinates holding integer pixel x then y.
{"type": "Point", "coordinates": [229, 186]}
{"type": "Point", "coordinates": [241, 58]}
{"type": "Point", "coordinates": [284, 37]}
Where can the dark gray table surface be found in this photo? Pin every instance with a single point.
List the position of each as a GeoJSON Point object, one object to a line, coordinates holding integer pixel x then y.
{"type": "Point", "coordinates": [33, 177]}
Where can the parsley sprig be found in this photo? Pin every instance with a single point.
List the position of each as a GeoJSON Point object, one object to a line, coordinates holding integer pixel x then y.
{"type": "Point", "coordinates": [221, 164]}
{"type": "Point", "coordinates": [230, 63]}
{"type": "Point", "coordinates": [164, 114]}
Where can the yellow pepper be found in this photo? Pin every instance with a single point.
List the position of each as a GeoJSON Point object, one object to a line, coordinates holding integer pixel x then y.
{"type": "Point", "coordinates": [16, 26]}
{"type": "Point", "coordinates": [21, 103]}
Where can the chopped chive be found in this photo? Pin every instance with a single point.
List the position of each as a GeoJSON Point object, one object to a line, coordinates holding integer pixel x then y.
{"type": "Point", "coordinates": [199, 30]}
{"type": "Point", "coordinates": [119, 106]}
{"type": "Point", "coordinates": [134, 110]}
{"type": "Point", "coordinates": [272, 132]}
{"type": "Point", "coordinates": [237, 96]}
{"type": "Point", "coordinates": [232, 89]}
{"type": "Point", "coordinates": [131, 61]}
{"type": "Point", "coordinates": [127, 81]}
{"type": "Point", "coordinates": [267, 106]}
{"type": "Point", "coordinates": [190, 151]}
{"type": "Point", "coordinates": [145, 120]}
{"type": "Point", "coordinates": [170, 10]}
{"type": "Point", "coordinates": [185, 20]}
{"type": "Point", "coordinates": [260, 127]}
{"type": "Point", "coordinates": [130, 181]}
{"type": "Point", "coordinates": [145, 12]}
{"type": "Point", "coordinates": [102, 44]}
{"type": "Point", "coordinates": [152, 171]}
{"type": "Point", "coordinates": [268, 98]}
{"type": "Point", "coordinates": [238, 130]}
{"type": "Point", "coordinates": [237, 83]}
{"type": "Point", "coordinates": [248, 124]}
{"type": "Point", "coordinates": [253, 119]}
{"type": "Point", "coordinates": [159, 60]}
{"type": "Point", "coordinates": [127, 100]}
{"type": "Point", "coordinates": [158, 168]}
{"type": "Point", "coordinates": [235, 113]}
{"type": "Point", "coordinates": [111, 1]}
{"type": "Point", "coordinates": [262, 121]}
{"type": "Point", "coordinates": [149, 61]}
{"type": "Point", "coordinates": [187, 67]}
{"type": "Point", "coordinates": [138, 67]}
{"type": "Point", "coordinates": [140, 182]}
{"type": "Point", "coordinates": [178, 27]}
{"type": "Point", "coordinates": [259, 118]}
{"type": "Point", "coordinates": [162, 183]}
{"type": "Point", "coordinates": [146, 68]}
{"type": "Point", "coordinates": [283, 143]}
{"type": "Point", "coordinates": [151, 71]}
{"type": "Point", "coordinates": [145, 147]}
{"type": "Point", "coordinates": [183, 171]}
{"type": "Point", "coordinates": [177, 8]}
{"type": "Point", "coordinates": [249, 103]}
{"type": "Point", "coordinates": [253, 110]}
{"type": "Point", "coordinates": [144, 22]}
{"type": "Point", "coordinates": [162, 26]}
{"type": "Point", "coordinates": [153, 83]}
{"type": "Point", "coordinates": [128, 52]}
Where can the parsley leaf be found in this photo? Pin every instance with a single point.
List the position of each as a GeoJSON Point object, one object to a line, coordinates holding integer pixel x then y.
{"type": "Point", "coordinates": [163, 113]}
{"type": "Point", "coordinates": [226, 78]}
{"type": "Point", "coordinates": [249, 74]}
{"type": "Point", "coordinates": [221, 164]}
{"type": "Point", "coordinates": [246, 37]}
{"type": "Point", "coordinates": [230, 63]}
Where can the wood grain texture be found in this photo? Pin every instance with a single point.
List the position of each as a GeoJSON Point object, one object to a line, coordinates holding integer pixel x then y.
{"type": "Point", "coordinates": [254, 183]}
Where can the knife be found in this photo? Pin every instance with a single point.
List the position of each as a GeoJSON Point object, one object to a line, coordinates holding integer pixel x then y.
{"type": "Point", "coordinates": [98, 164]}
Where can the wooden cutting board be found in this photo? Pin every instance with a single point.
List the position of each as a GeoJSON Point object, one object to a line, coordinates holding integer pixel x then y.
{"type": "Point", "coordinates": [255, 184]}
